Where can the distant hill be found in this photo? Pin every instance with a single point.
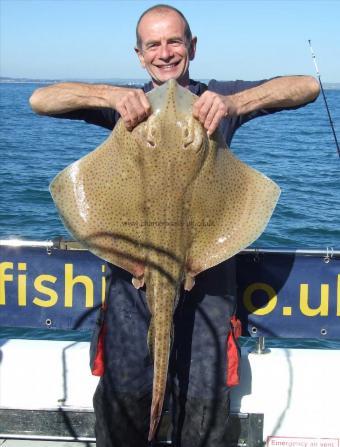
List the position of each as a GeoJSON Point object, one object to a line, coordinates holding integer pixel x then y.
{"type": "Point", "coordinates": [331, 85]}
{"type": "Point", "coordinates": [116, 81]}
{"type": "Point", "coordinates": [26, 80]}
{"type": "Point", "coordinates": [326, 85]}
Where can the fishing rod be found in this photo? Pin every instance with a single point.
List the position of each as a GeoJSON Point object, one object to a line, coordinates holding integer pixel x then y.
{"type": "Point", "coordinates": [324, 96]}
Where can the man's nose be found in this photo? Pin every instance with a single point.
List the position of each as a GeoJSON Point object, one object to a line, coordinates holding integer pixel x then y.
{"type": "Point", "coordinates": [165, 51]}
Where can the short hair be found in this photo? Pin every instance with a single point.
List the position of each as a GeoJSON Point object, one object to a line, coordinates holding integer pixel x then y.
{"type": "Point", "coordinates": [160, 7]}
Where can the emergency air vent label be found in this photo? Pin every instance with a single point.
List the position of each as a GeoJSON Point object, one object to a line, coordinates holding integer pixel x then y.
{"type": "Point", "coordinates": [282, 441]}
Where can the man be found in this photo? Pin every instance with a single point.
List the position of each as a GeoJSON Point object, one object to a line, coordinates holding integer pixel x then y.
{"type": "Point", "coordinates": [199, 361]}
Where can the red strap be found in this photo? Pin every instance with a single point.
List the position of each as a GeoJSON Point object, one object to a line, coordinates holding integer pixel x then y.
{"type": "Point", "coordinates": [233, 357]}
{"type": "Point", "coordinates": [98, 364]}
{"type": "Point", "coordinates": [236, 327]}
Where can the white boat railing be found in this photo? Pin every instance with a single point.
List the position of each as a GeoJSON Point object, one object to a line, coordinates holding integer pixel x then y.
{"type": "Point", "coordinates": [60, 243]}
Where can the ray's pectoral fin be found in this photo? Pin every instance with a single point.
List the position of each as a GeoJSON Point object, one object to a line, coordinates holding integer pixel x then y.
{"type": "Point", "coordinates": [99, 199]}
{"type": "Point", "coordinates": [231, 206]}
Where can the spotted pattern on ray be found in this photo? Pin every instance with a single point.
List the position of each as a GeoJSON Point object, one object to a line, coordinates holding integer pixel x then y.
{"type": "Point", "coordinates": [164, 202]}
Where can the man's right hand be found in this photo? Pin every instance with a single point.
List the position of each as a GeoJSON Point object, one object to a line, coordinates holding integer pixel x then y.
{"type": "Point", "coordinates": [132, 105]}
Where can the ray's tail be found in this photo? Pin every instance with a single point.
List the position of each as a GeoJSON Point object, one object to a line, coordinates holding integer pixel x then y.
{"type": "Point", "coordinates": [161, 296]}
{"type": "Point", "coordinates": [155, 416]}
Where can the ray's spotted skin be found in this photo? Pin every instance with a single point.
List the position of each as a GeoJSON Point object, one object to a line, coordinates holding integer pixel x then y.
{"type": "Point", "coordinates": [165, 202]}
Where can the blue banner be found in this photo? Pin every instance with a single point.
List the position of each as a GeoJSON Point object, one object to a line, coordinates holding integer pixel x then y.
{"type": "Point", "coordinates": [289, 295]}
{"type": "Point", "coordinates": [279, 295]}
{"type": "Point", "coordinates": [42, 288]}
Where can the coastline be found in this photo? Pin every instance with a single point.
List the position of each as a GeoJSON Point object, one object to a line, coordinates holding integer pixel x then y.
{"type": "Point", "coordinates": [114, 81]}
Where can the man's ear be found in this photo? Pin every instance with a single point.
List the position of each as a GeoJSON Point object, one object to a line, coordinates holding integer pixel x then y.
{"type": "Point", "coordinates": [192, 48]}
{"type": "Point", "coordinates": [140, 56]}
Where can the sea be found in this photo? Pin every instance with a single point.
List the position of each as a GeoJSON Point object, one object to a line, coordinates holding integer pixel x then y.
{"type": "Point", "coordinates": [294, 148]}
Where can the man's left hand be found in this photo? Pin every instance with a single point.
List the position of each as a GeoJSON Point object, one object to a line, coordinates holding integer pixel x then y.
{"type": "Point", "coordinates": [211, 107]}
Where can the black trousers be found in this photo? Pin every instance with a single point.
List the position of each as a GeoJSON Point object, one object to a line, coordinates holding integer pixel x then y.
{"type": "Point", "coordinates": [197, 391]}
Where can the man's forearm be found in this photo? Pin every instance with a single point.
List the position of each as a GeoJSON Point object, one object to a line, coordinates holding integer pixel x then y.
{"type": "Point", "coordinates": [287, 91]}
{"type": "Point", "coordinates": [68, 96]}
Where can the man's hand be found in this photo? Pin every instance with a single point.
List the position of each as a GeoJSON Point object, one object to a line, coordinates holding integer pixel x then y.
{"type": "Point", "coordinates": [211, 107]}
{"type": "Point", "coordinates": [132, 105]}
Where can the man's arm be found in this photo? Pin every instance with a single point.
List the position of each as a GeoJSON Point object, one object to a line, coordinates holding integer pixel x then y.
{"type": "Point", "coordinates": [287, 91]}
{"type": "Point", "coordinates": [209, 109]}
{"type": "Point", "coordinates": [131, 103]}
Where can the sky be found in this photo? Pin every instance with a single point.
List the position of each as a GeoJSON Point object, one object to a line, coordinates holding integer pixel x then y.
{"type": "Point", "coordinates": [94, 39]}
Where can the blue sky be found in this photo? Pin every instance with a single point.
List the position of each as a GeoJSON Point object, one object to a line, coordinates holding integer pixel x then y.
{"type": "Point", "coordinates": [244, 39]}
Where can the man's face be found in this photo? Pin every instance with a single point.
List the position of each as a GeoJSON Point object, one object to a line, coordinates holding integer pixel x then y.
{"type": "Point", "coordinates": [165, 54]}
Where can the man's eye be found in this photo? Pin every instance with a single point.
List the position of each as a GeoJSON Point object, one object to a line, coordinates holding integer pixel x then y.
{"type": "Point", "coordinates": [176, 42]}
{"type": "Point", "coordinates": [151, 46]}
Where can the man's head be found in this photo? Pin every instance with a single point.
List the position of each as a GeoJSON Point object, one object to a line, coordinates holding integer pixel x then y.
{"type": "Point", "coordinates": [165, 45]}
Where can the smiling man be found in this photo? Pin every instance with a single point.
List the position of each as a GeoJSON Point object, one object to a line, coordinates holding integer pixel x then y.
{"type": "Point", "coordinates": [165, 47]}
{"type": "Point", "coordinates": [203, 320]}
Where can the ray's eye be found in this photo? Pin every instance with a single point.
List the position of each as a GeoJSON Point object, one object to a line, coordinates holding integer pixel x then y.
{"type": "Point", "coordinates": [152, 132]}
{"type": "Point", "coordinates": [192, 135]}
{"type": "Point", "coordinates": [151, 136]}
{"type": "Point", "coordinates": [187, 134]}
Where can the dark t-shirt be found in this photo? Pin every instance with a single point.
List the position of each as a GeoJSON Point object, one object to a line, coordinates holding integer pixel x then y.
{"type": "Point", "coordinates": [106, 117]}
